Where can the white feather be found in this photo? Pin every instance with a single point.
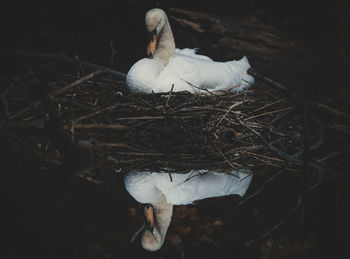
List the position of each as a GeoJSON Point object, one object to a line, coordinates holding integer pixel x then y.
{"type": "Point", "coordinates": [182, 189]}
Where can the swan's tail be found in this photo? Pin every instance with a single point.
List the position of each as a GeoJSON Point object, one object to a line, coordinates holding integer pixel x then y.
{"type": "Point", "coordinates": [240, 68]}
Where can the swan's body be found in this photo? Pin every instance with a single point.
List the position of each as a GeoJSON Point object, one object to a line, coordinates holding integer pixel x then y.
{"type": "Point", "coordinates": [184, 69]}
{"type": "Point", "coordinates": [164, 191]}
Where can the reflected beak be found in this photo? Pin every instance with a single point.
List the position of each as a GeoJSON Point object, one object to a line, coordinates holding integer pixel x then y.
{"type": "Point", "coordinates": [149, 214]}
{"type": "Point", "coordinates": [151, 47]}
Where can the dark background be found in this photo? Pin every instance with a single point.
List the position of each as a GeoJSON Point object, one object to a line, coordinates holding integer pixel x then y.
{"type": "Point", "coordinates": [86, 28]}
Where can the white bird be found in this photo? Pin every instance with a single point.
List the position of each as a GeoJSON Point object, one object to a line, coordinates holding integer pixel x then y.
{"type": "Point", "coordinates": [161, 190]}
{"type": "Point", "coordinates": [183, 68]}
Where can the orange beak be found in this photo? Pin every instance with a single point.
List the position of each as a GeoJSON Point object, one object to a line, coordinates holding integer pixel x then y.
{"type": "Point", "coordinates": [151, 48]}
{"type": "Point", "coordinates": [149, 214]}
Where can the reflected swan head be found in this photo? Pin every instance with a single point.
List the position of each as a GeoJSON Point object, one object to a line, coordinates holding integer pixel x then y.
{"type": "Point", "coordinates": [158, 217]}
{"type": "Point", "coordinates": [152, 241]}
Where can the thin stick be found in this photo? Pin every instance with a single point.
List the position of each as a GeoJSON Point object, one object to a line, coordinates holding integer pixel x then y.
{"type": "Point", "coordinates": [77, 120]}
{"type": "Point", "coordinates": [228, 111]}
{"type": "Point", "coordinates": [333, 111]}
{"type": "Point", "coordinates": [272, 148]}
{"type": "Point", "coordinates": [262, 187]}
{"type": "Point", "coordinates": [171, 91]}
{"type": "Point", "coordinates": [23, 126]}
{"type": "Point", "coordinates": [113, 144]}
{"type": "Point", "coordinates": [278, 224]}
{"type": "Point", "coordinates": [262, 156]}
{"type": "Point", "coordinates": [79, 81]}
{"type": "Point", "coordinates": [116, 74]}
{"type": "Point", "coordinates": [82, 70]}
{"type": "Point", "coordinates": [254, 73]}
{"type": "Point", "coordinates": [32, 106]}
{"type": "Point", "coordinates": [271, 112]}
{"type": "Point", "coordinates": [268, 105]}
{"type": "Point", "coordinates": [100, 126]}
{"type": "Point", "coordinates": [227, 161]}
{"type": "Point", "coordinates": [113, 52]}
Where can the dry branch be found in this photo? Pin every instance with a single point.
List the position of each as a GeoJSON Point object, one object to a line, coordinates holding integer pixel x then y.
{"type": "Point", "coordinates": [88, 65]}
{"type": "Point", "coordinates": [79, 81]}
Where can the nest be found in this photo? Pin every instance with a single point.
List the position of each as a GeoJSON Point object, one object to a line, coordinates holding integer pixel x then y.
{"type": "Point", "coordinates": [94, 117]}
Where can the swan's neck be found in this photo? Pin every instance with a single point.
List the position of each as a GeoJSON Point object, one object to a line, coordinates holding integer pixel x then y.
{"type": "Point", "coordinates": [163, 212]}
{"type": "Point", "coordinates": [166, 44]}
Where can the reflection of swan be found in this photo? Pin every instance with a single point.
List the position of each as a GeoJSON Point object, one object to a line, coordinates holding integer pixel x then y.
{"type": "Point", "coordinates": [163, 190]}
{"type": "Point", "coordinates": [183, 68]}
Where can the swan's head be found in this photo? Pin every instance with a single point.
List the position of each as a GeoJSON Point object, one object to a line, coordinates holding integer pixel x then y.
{"type": "Point", "coordinates": [151, 240]}
{"type": "Point", "coordinates": [155, 21]}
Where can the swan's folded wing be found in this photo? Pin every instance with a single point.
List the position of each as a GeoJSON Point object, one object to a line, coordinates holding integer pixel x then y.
{"type": "Point", "coordinates": [198, 73]}
{"type": "Point", "coordinates": [201, 184]}
{"type": "Point", "coordinates": [191, 53]}
{"type": "Point", "coordinates": [186, 71]}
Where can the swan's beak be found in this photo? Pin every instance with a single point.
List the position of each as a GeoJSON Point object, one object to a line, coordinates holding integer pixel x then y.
{"type": "Point", "coordinates": [151, 47]}
{"type": "Point", "coordinates": [149, 214]}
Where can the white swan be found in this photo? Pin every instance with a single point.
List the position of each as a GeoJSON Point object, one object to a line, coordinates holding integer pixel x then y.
{"type": "Point", "coordinates": [183, 68]}
{"type": "Point", "coordinates": [162, 191]}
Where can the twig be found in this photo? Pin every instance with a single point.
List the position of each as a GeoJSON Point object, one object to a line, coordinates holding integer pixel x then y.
{"type": "Point", "coordinates": [262, 187]}
{"type": "Point", "coordinates": [277, 225]}
{"type": "Point", "coordinates": [228, 111]}
{"type": "Point", "coordinates": [167, 101]}
{"type": "Point", "coordinates": [272, 148]}
{"type": "Point", "coordinates": [268, 105]}
{"type": "Point", "coordinates": [138, 154]}
{"type": "Point", "coordinates": [77, 120]}
{"type": "Point", "coordinates": [79, 81]}
{"type": "Point", "coordinates": [82, 70]}
{"type": "Point", "coordinates": [333, 111]}
{"type": "Point", "coordinates": [328, 177]}
{"type": "Point", "coordinates": [262, 156]}
{"type": "Point", "coordinates": [305, 167]}
{"type": "Point", "coordinates": [256, 74]}
{"type": "Point", "coordinates": [116, 74]}
{"type": "Point", "coordinates": [113, 144]}
{"type": "Point", "coordinates": [90, 179]}
{"type": "Point", "coordinates": [227, 161]}
{"type": "Point", "coordinates": [113, 52]}
{"type": "Point", "coordinates": [21, 126]}
{"type": "Point", "coordinates": [100, 126]}
{"type": "Point", "coordinates": [201, 89]}
{"type": "Point", "coordinates": [271, 112]}
{"type": "Point", "coordinates": [32, 106]}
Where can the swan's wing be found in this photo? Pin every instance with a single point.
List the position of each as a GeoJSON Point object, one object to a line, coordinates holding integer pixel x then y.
{"type": "Point", "coordinates": [191, 53]}
{"type": "Point", "coordinates": [186, 72]}
{"type": "Point", "coordinates": [201, 184]}
{"type": "Point", "coordinates": [142, 187]}
{"type": "Point", "coordinates": [143, 75]}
